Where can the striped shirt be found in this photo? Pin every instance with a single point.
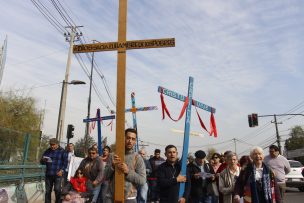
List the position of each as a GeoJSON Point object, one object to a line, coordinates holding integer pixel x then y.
{"type": "Point", "coordinates": [57, 161]}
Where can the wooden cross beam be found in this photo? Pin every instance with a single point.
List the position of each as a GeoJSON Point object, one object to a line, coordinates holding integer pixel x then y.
{"type": "Point", "coordinates": [187, 122]}
{"type": "Point", "coordinates": [121, 47]}
{"type": "Point", "coordinates": [99, 119]}
{"type": "Point", "coordinates": [134, 110]}
{"type": "Point", "coordinates": [134, 44]}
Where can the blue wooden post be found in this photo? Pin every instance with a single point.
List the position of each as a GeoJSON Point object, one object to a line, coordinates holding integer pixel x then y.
{"type": "Point", "coordinates": [186, 136]}
{"type": "Point", "coordinates": [195, 103]}
{"type": "Point", "coordinates": [134, 110]}
{"type": "Point", "coordinates": [98, 119]}
{"type": "Point", "coordinates": [134, 119]}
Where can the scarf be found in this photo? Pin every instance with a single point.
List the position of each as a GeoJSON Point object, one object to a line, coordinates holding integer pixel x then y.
{"type": "Point", "coordinates": [267, 185]}
{"type": "Point", "coordinates": [79, 184]}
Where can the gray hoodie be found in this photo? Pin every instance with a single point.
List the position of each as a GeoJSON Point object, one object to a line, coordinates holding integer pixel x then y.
{"type": "Point", "coordinates": [135, 177]}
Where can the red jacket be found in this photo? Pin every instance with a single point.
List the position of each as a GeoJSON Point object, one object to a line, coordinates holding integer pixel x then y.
{"type": "Point", "coordinates": [79, 184]}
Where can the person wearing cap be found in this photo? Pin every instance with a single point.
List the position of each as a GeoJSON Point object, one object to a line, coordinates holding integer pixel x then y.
{"type": "Point", "coordinates": [201, 175]}
{"type": "Point", "coordinates": [55, 160]}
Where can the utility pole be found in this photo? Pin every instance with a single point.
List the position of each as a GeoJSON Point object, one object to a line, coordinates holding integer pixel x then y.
{"type": "Point", "coordinates": [234, 140]}
{"type": "Point", "coordinates": [3, 51]}
{"type": "Point", "coordinates": [89, 105]}
{"type": "Point", "coordinates": [276, 125]}
{"type": "Point", "coordinates": [71, 37]}
{"type": "Point", "coordinates": [277, 133]}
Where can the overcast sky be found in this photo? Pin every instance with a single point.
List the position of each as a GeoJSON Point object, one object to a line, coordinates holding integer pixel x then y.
{"type": "Point", "coordinates": [245, 57]}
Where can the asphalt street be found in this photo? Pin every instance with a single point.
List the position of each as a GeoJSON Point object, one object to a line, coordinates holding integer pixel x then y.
{"type": "Point", "coordinates": [293, 195]}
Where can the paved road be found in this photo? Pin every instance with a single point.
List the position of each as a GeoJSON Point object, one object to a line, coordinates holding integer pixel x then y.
{"type": "Point", "coordinates": [293, 195]}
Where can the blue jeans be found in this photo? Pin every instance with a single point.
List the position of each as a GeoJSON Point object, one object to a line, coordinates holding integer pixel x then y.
{"type": "Point", "coordinates": [202, 199]}
{"type": "Point", "coordinates": [215, 199]}
{"type": "Point", "coordinates": [142, 193]}
{"type": "Point", "coordinates": [95, 192]}
{"type": "Point", "coordinates": [51, 181]}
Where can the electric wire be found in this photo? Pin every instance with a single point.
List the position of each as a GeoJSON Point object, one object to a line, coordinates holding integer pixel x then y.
{"type": "Point", "coordinates": [49, 16]}
{"type": "Point", "coordinates": [30, 88]}
{"type": "Point", "coordinates": [36, 58]}
{"type": "Point", "coordinates": [85, 69]}
{"type": "Point", "coordinates": [60, 13]}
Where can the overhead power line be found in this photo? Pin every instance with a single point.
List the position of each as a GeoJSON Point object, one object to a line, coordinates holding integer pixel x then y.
{"type": "Point", "coordinates": [48, 16]}
{"type": "Point", "coordinates": [30, 88]}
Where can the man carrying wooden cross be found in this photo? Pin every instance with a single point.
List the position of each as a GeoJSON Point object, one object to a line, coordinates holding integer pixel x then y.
{"type": "Point", "coordinates": [122, 45]}
{"type": "Point", "coordinates": [133, 168]}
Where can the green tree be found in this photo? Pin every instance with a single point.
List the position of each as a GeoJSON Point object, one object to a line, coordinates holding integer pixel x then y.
{"type": "Point", "coordinates": [44, 145]}
{"type": "Point", "coordinates": [296, 138]}
{"type": "Point", "coordinates": [211, 151]}
{"type": "Point", "coordinates": [80, 146]}
{"type": "Point", "coordinates": [18, 116]}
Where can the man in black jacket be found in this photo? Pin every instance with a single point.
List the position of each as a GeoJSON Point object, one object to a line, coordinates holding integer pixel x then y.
{"type": "Point", "coordinates": [202, 175]}
{"type": "Point", "coordinates": [169, 178]}
{"type": "Point", "coordinates": [155, 161]}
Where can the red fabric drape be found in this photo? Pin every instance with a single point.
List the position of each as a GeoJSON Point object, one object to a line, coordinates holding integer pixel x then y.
{"type": "Point", "coordinates": [213, 130]}
{"type": "Point", "coordinates": [165, 109]}
{"type": "Point", "coordinates": [201, 121]}
{"type": "Point", "coordinates": [213, 126]}
{"type": "Point", "coordinates": [110, 124]}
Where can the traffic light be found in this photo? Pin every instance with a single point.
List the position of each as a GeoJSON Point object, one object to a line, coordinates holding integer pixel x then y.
{"type": "Point", "coordinates": [70, 133]}
{"type": "Point", "coordinates": [250, 121]}
{"type": "Point", "coordinates": [255, 119]}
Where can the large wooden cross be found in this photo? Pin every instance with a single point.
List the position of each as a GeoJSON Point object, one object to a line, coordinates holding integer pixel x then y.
{"type": "Point", "coordinates": [187, 122]}
{"type": "Point", "coordinates": [121, 46]}
{"type": "Point", "coordinates": [134, 110]}
{"type": "Point", "coordinates": [98, 119]}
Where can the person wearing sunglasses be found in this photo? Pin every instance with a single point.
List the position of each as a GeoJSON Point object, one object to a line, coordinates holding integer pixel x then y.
{"type": "Point", "coordinates": [77, 189]}
{"type": "Point", "coordinates": [92, 168]}
{"type": "Point", "coordinates": [216, 158]}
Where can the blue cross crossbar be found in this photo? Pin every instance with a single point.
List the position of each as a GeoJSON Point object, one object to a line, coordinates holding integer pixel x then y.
{"type": "Point", "coordinates": [147, 108]}
{"type": "Point", "coordinates": [99, 119]}
{"type": "Point", "coordinates": [180, 97]}
{"type": "Point", "coordinates": [86, 120]}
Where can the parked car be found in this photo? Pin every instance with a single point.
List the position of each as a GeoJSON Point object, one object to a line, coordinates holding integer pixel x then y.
{"type": "Point", "coordinates": [295, 178]}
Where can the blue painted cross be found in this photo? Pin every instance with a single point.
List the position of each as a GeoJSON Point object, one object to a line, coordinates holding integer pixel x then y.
{"type": "Point", "coordinates": [99, 119]}
{"type": "Point", "coordinates": [187, 123]}
{"type": "Point", "coordinates": [134, 110]}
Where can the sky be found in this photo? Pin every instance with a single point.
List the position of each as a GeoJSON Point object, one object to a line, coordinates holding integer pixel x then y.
{"type": "Point", "coordinates": [245, 57]}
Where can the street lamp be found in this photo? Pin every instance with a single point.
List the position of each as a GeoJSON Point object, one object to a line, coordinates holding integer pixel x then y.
{"type": "Point", "coordinates": [62, 106]}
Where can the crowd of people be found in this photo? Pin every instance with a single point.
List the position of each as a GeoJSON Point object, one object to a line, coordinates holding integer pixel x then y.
{"type": "Point", "coordinates": [221, 178]}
